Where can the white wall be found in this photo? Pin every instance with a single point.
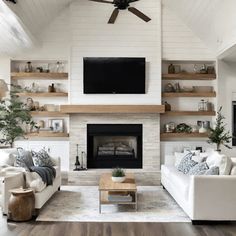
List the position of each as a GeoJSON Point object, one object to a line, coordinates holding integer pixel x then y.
{"type": "Point", "coordinates": [128, 37]}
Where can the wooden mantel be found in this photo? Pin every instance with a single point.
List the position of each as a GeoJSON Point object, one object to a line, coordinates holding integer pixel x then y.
{"type": "Point", "coordinates": [95, 109]}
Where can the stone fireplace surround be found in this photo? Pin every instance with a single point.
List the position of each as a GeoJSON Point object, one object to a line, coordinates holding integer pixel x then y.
{"type": "Point", "coordinates": [148, 175]}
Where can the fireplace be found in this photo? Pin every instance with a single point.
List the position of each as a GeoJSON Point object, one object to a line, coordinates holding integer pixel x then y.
{"type": "Point", "coordinates": [114, 145]}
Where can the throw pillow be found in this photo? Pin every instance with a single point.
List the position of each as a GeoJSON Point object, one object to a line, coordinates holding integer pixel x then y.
{"type": "Point", "coordinates": [42, 158]}
{"type": "Point", "coordinates": [34, 181]}
{"type": "Point", "coordinates": [178, 157]}
{"type": "Point", "coordinates": [213, 171]}
{"type": "Point", "coordinates": [223, 162]}
{"type": "Point", "coordinates": [198, 168]}
{"type": "Point", "coordinates": [24, 159]}
{"type": "Point", "coordinates": [7, 156]}
{"type": "Point", "coordinates": [186, 163]}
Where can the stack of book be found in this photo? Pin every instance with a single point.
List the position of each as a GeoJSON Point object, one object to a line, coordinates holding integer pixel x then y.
{"type": "Point", "coordinates": [119, 197]}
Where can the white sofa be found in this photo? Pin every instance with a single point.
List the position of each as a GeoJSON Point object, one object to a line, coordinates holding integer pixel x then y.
{"type": "Point", "coordinates": [13, 177]}
{"type": "Point", "coordinates": [202, 197]}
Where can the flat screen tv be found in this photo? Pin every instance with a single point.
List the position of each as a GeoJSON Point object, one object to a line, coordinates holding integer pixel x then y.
{"type": "Point", "coordinates": [110, 75]}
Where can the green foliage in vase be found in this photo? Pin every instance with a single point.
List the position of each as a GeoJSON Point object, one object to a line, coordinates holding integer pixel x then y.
{"type": "Point", "coordinates": [13, 116]}
{"type": "Point", "coordinates": [118, 172]}
{"type": "Point", "coordinates": [218, 135]}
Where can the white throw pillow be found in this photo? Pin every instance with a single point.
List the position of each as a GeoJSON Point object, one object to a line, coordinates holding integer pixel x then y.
{"type": "Point", "coordinates": [223, 162]}
{"type": "Point", "coordinates": [34, 181]}
{"type": "Point", "coordinates": [7, 156]}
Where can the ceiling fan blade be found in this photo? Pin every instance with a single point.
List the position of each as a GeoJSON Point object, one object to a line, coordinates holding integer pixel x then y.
{"type": "Point", "coordinates": [113, 16]}
{"type": "Point", "coordinates": [102, 1]}
{"type": "Point", "coordinates": [139, 14]}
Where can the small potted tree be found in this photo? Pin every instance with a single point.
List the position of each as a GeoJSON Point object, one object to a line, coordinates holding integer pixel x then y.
{"type": "Point", "coordinates": [118, 175]}
{"type": "Point", "coordinates": [218, 135]}
{"type": "Point", "coordinates": [13, 116]}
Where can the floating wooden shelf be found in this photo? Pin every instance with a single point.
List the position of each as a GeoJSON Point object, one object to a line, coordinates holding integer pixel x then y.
{"type": "Point", "coordinates": [189, 76]}
{"type": "Point", "coordinates": [47, 134]}
{"type": "Point", "coordinates": [41, 76]}
{"type": "Point", "coordinates": [190, 113]}
{"type": "Point", "coordinates": [189, 94]}
{"type": "Point", "coordinates": [96, 109]}
{"type": "Point", "coordinates": [48, 113]}
{"type": "Point", "coordinates": [42, 94]}
{"type": "Point", "coordinates": [165, 136]}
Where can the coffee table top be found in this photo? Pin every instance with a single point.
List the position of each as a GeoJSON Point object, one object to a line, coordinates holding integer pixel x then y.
{"type": "Point", "coordinates": [106, 183]}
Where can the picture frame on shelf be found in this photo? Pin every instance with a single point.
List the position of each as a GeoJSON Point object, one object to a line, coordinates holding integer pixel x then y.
{"type": "Point", "coordinates": [57, 125]}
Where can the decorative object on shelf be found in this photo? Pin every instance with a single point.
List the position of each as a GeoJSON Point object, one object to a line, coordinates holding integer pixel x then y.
{"type": "Point", "coordinates": [29, 67]}
{"type": "Point", "coordinates": [13, 115]}
{"type": "Point", "coordinates": [211, 70]}
{"type": "Point", "coordinates": [3, 88]}
{"type": "Point", "coordinates": [169, 88]}
{"type": "Point", "coordinates": [202, 130]}
{"type": "Point", "coordinates": [196, 68]}
{"type": "Point", "coordinates": [201, 105]}
{"type": "Point", "coordinates": [169, 127]}
{"type": "Point", "coordinates": [36, 105]}
{"type": "Point", "coordinates": [118, 175]}
{"type": "Point", "coordinates": [177, 88]}
{"type": "Point", "coordinates": [194, 128]}
{"type": "Point", "coordinates": [39, 69]}
{"type": "Point", "coordinates": [219, 135]}
{"type": "Point", "coordinates": [187, 89]}
{"type": "Point", "coordinates": [50, 107]}
{"type": "Point", "coordinates": [205, 124]}
{"type": "Point", "coordinates": [51, 88]}
{"type": "Point", "coordinates": [30, 104]}
{"type": "Point", "coordinates": [203, 69]}
{"type": "Point", "coordinates": [57, 125]}
{"type": "Point", "coordinates": [202, 89]}
{"type": "Point", "coordinates": [41, 124]}
{"type": "Point", "coordinates": [171, 69]}
{"type": "Point", "coordinates": [167, 106]}
{"type": "Point", "coordinates": [177, 69]}
{"type": "Point", "coordinates": [183, 128]}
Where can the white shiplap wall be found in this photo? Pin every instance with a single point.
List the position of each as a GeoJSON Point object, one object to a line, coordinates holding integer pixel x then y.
{"type": "Point", "coordinates": [128, 37]}
{"type": "Point", "coordinates": [179, 42]}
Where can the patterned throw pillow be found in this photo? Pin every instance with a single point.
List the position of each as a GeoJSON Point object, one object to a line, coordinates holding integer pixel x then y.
{"type": "Point", "coordinates": [41, 158]}
{"type": "Point", "coordinates": [197, 169]}
{"type": "Point", "coordinates": [186, 163]}
{"type": "Point", "coordinates": [23, 159]}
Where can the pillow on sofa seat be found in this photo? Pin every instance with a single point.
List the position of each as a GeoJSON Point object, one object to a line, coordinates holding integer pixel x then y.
{"type": "Point", "coordinates": [186, 163]}
{"type": "Point", "coordinates": [223, 162]}
{"type": "Point", "coordinates": [7, 156]}
{"type": "Point", "coordinates": [34, 181]}
{"type": "Point", "coordinates": [24, 159]}
{"type": "Point", "coordinates": [198, 169]}
{"type": "Point", "coordinates": [42, 158]}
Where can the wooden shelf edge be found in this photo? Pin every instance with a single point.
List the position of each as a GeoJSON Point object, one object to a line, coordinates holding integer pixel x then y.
{"type": "Point", "coordinates": [59, 94]}
{"type": "Point", "coordinates": [189, 113]}
{"type": "Point", "coordinates": [96, 109]}
{"type": "Point", "coordinates": [48, 113]}
{"type": "Point", "coordinates": [47, 134]}
{"type": "Point", "coordinates": [24, 75]}
{"type": "Point", "coordinates": [188, 76]}
{"type": "Point", "coordinates": [191, 94]}
{"type": "Point", "coordinates": [165, 136]}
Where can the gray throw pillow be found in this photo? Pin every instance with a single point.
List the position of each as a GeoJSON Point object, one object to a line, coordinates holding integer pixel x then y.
{"type": "Point", "coordinates": [198, 168]}
{"type": "Point", "coordinates": [214, 170]}
{"type": "Point", "coordinates": [24, 159]}
{"type": "Point", "coordinates": [42, 158]}
{"type": "Point", "coordinates": [186, 164]}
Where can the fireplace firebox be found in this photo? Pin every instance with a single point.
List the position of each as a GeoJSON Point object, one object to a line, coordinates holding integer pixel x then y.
{"type": "Point", "coordinates": [114, 145]}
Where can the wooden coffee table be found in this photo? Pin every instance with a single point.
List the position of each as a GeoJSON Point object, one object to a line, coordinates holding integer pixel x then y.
{"type": "Point", "coordinates": [106, 185]}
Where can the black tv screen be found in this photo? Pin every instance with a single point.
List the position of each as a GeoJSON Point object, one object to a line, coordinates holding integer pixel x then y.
{"type": "Point", "coordinates": [106, 75]}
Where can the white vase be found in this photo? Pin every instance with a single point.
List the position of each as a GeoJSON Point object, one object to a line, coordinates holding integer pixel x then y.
{"type": "Point", "coordinates": [118, 179]}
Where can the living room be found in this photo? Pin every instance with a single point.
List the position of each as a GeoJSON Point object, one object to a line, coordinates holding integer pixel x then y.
{"type": "Point", "coordinates": [137, 85]}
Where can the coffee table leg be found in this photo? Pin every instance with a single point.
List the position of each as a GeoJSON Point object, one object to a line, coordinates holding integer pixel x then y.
{"type": "Point", "coordinates": [100, 202]}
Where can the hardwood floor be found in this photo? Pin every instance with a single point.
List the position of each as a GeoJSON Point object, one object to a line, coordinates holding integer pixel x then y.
{"type": "Point", "coordinates": [114, 229]}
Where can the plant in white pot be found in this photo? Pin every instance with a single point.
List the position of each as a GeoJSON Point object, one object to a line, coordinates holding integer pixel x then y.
{"type": "Point", "coordinates": [118, 175]}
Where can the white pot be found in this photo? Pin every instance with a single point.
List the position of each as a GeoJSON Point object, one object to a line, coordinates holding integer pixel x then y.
{"type": "Point", "coordinates": [118, 179]}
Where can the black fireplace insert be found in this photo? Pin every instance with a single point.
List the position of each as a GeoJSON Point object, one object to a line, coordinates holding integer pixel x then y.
{"type": "Point", "coordinates": [114, 145]}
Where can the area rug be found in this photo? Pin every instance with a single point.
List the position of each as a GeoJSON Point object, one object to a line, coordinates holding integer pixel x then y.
{"type": "Point", "coordinates": [80, 204]}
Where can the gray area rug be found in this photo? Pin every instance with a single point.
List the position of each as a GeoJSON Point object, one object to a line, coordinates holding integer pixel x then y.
{"type": "Point", "coordinates": [80, 204]}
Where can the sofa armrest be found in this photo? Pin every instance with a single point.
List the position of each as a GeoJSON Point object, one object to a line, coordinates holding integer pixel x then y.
{"type": "Point", "coordinates": [9, 182]}
{"type": "Point", "coordinates": [213, 197]}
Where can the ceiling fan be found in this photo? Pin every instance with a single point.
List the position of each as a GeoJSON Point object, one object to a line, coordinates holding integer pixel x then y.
{"type": "Point", "coordinates": [123, 5]}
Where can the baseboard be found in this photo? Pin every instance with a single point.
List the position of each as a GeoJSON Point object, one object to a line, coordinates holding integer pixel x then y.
{"type": "Point", "coordinates": [212, 222]}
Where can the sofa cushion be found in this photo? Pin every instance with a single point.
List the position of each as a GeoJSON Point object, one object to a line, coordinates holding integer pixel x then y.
{"type": "Point", "coordinates": [23, 159]}
{"type": "Point", "coordinates": [223, 162]}
{"type": "Point", "coordinates": [34, 181]}
{"type": "Point", "coordinates": [42, 158]}
{"type": "Point", "coordinates": [7, 156]}
{"type": "Point", "coordinates": [186, 163]}
{"type": "Point", "coordinates": [197, 169]}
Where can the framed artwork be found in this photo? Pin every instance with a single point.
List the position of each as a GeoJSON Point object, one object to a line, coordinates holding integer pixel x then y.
{"type": "Point", "coordinates": [57, 125]}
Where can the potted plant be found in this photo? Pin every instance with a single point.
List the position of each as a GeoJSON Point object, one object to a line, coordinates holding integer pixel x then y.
{"type": "Point", "coordinates": [218, 135]}
{"type": "Point", "coordinates": [118, 175]}
{"type": "Point", "coordinates": [13, 116]}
